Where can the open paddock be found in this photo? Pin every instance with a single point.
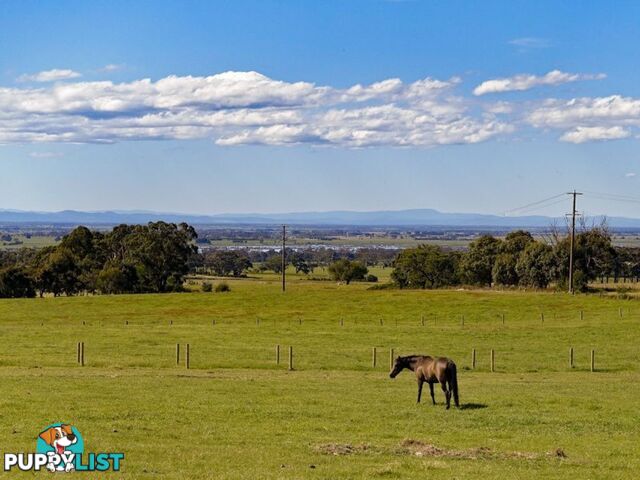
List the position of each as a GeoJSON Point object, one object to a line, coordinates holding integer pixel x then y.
{"type": "Point", "coordinates": [236, 413]}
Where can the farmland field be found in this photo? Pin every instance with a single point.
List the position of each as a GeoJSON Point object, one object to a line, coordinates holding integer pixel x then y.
{"type": "Point", "coordinates": [237, 414]}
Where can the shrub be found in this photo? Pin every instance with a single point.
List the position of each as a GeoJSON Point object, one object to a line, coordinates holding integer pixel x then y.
{"type": "Point", "coordinates": [372, 278]}
{"type": "Point", "coordinates": [207, 287]}
{"type": "Point", "coordinates": [346, 271]}
{"type": "Point", "coordinates": [223, 287]}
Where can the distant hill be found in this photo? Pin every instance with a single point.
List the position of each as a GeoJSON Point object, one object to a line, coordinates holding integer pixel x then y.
{"type": "Point", "coordinates": [416, 217]}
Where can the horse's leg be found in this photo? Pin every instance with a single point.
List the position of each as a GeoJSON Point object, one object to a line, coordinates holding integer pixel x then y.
{"type": "Point", "coordinates": [447, 393]}
{"type": "Point", "coordinates": [433, 397]}
{"type": "Point", "coordinates": [420, 382]}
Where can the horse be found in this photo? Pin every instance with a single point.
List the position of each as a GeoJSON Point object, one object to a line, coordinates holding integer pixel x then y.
{"type": "Point", "coordinates": [430, 370]}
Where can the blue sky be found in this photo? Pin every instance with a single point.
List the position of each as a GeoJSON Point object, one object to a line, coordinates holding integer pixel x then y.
{"type": "Point", "coordinates": [352, 105]}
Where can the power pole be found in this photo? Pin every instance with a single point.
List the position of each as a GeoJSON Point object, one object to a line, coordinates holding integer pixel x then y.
{"type": "Point", "coordinates": [284, 263]}
{"type": "Point", "coordinates": [573, 238]}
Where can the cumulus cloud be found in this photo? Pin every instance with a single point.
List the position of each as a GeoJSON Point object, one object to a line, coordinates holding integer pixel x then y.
{"type": "Point", "coordinates": [50, 76]}
{"type": "Point", "coordinates": [588, 134]}
{"type": "Point", "coordinates": [588, 119]}
{"type": "Point", "coordinates": [526, 82]}
{"type": "Point", "coordinates": [630, 174]}
{"type": "Point", "coordinates": [235, 108]}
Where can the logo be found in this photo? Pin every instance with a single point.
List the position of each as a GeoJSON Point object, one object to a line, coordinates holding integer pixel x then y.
{"type": "Point", "coordinates": [60, 448]}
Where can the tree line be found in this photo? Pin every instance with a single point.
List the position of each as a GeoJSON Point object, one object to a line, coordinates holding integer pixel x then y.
{"type": "Point", "coordinates": [149, 258]}
{"type": "Point", "coordinates": [517, 260]}
{"type": "Point", "coordinates": [156, 257]}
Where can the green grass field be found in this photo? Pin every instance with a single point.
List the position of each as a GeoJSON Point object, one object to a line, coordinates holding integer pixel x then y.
{"type": "Point", "coordinates": [236, 414]}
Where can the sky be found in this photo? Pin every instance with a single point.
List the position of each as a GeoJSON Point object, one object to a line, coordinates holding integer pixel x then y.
{"type": "Point", "coordinates": [279, 106]}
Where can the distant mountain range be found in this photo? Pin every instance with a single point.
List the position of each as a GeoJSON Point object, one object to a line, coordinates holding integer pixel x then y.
{"type": "Point", "coordinates": [416, 217]}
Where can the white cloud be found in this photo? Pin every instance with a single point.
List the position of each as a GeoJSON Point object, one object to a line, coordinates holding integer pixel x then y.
{"type": "Point", "coordinates": [45, 154]}
{"type": "Point", "coordinates": [531, 42]}
{"type": "Point", "coordinates": [587, 119]}
{"type": "Point", "coordinates": [111, 67]}
{"type": "Point", "coordinates": [588, 134]}
{"type": "Point", "coordinates": [50, 76]}
{"type": "Point", "coordinates": [236, 108]}
{"type": "Point", "coordinates": [526, 82]}
{"type": "Point", "coordinates": [630, 174]}
{"type": "Point", "coordinates": [567, 113]}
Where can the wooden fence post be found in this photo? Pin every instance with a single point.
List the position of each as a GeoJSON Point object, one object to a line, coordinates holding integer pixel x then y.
{"type": "Point", "coordinates": [620, 311]}
{"type": "Point", "coordinates": [422, 320]}
{"type": "Point", "coordinates": [581, 315]}
{"type": "Point", "coordinates": [187, 357]}
{"type": "Point", "coordinates": [462, 321]}
{"type": "Point", "coordinates": [290, 358]}
{"type": "Point", "coordinates": [571, 357]}
{"type": "Point", "coordinates": [82, 354]}
{"type": "Point", "coordinates": [473, 358]}
{"type": "Point", "coordinates": [390, 358]}
{"type": "Point", "coordinates": [493, 360]}
{"type": "Point", "coordinates": [381, 322]}
{"type": "Point", "coordinates": [277, 354]}
{"type": "Point", "coordinates": [373, 357]}
{"type": "Point", "coordinates": [593, 360]}
{"type": "Point", "coordinates": [502, 318]}
{"type": "Point", "coordinates": [542, 318]}
{"type": "Point", "coordinates": [342, 322]}
{"type": "Point", "coordinates": [177, 354]}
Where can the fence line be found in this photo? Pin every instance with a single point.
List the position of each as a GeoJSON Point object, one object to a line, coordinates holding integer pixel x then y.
{"type": "Point", "coordinates": [80, 357]}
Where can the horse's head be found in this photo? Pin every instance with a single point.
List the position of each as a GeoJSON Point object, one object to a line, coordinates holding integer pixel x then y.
{"type": "Point", "coordinates": [399, 364]}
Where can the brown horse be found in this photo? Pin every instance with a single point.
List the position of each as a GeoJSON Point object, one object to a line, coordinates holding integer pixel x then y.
{"type": "Point", "coordinates": [430, 370]}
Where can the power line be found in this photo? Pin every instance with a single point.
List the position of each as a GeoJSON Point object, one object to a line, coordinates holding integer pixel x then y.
{"type": "Point", "coordinates": [541, 207]}
{"type": "Point", "coordinates": [538, 204]}
{"type": "Point", "coordinates": [614, 197]}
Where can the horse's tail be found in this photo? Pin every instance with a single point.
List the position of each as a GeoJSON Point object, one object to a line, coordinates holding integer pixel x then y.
{"type": "Point", "coordinates": [453, 382]}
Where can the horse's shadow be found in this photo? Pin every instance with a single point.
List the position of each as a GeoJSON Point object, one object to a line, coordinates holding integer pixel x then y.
{"type": "Point", "coordinates": [473, 406]}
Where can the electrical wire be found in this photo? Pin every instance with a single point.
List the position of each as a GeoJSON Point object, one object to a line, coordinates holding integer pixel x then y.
{"type": "Point", "coordinates": [613, 197]}
{"type": "Point", "coordinates": [536, 205]}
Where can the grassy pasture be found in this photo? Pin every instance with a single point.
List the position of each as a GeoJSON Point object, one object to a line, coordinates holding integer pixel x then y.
{"type": "Point", "coordinates": [236, 414]}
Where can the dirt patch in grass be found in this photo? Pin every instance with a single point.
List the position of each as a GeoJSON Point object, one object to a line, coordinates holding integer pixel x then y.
{"type": "Point", "coordinates": [342, 448]}
{"type": "Point", "coordinates": [422, 449]}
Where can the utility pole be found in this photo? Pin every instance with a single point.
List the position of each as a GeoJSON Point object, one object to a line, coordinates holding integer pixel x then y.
{"type": "Point", "coordinates": [284, 263]}
{"type": "Point", "coordinates": [573, 238]}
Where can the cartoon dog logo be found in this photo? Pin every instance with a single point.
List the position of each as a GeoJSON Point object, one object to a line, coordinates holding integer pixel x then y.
{"type": "Point", "coordinates": [60, 438]}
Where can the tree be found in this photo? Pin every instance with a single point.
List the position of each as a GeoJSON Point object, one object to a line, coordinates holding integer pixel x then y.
{"type": "Point", "coordinates": [299, 263]}
{"type": "Point", "coordinates": [594, 256]}
{"type": "Point", "coordinates": [477, 262]}
{"type": "Point", "coordinates": [228, 262]}
{"type": "Point", "coordinates": [273, 263]}
{"type": "Point", "coordinates": [536, 265]}
{"type": "Point", "coordinates": [117, 278]}
{"type": "Point", "coordinates": [59, 273]}
{"type": "Point", "coordinates": [160, 252]}
{"type": "Point", "coordinates": [504, 269]}
{"type": "Point", "coordinates": [16, 283]}
{"type": "Point", "coordinates": [515, 242]}
{"type": "Point", "coordinates": [426, 266]}
{"type": "Point", "coordinates": [347, 270]}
